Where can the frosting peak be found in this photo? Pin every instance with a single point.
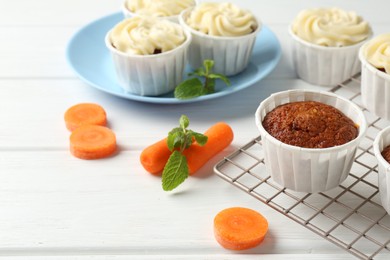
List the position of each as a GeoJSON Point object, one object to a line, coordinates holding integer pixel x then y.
{"type": "Point", "coordinates": [145, 36]}
{"type": "Point", "coordinates": [331, 27]}
{"type": "Point", "coordinates": [158, 8]}
{"type": "Point", "coordinates": [221, 19]}
{"type": "Point", "coordinates": [377, 52]}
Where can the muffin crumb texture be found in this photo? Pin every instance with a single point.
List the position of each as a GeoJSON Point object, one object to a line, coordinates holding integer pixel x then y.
{"type": "Point", "coordinates": [310, 124]}
{"type": "Point", "coordinates": [386, 153]}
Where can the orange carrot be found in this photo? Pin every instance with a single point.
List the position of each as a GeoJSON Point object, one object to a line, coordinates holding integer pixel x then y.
{"type": "Point", "coordinates": [154, 157]}
{"type": "Point", "coordinates": [92, 142]}
{"type": "Point", "coordinates": [239, 228]}
{"type": "Point", "coordinates": [219, 136]}
{"type": "Point", "coordinates": [85, 114]}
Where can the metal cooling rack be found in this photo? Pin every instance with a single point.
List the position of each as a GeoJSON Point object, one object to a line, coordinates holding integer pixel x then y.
{"type": "Point", "coordinates": [350, 216]}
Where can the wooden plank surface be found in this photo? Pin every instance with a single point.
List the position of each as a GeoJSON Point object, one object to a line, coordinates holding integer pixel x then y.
{"type": "Point", "coordinates": [54, 206]}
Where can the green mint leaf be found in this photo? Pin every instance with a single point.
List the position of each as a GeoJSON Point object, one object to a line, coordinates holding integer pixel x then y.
{"type": "Point", "coordinates": [173, 140]}
{"type": "Point", "coordinates": [198, 72]}
{"type": "Point", "coordinates": [188, 140]}
{"type": "Point", "coordinates": [208, 64]}
{"type": "Point", "coordinates": [189, 88]}
{"type": "Point", "coordinates": [175, 171]}
{"type": "Point", "coordinates": [184, 121]}
{"type": "Point", "coordinates": [209, 86]}
{"type": "Point", "coordinates": [219, 76]}
{"type": "Point", "coordinates": [180, 140]}
{"type": "Point", "coordinates": [201, 139]}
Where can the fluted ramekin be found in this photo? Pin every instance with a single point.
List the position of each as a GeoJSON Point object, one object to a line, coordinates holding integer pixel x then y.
{"type": "Point", "coordinates": [230, 54]}
{"type": "Point", "coordinates": [309, 169]}
{"type": "Point", "coordinates": [381, 141]}
{"type": "Point", "coordinates": [173, 18]}
{"type": "Point", "coordinates": [321, 65]}
{"type": "Point", "coordinates": [375, 88]}
{"type": "Point", "coordinates": [150, 75]}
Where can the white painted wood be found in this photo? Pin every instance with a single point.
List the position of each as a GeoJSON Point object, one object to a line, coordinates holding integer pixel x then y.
{"type": "Point", "coordinates": [54, 206]}
{"type": "Point", "coordinates": [41, 104]}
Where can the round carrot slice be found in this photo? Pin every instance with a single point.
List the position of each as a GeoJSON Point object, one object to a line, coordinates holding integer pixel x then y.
{"type": "Point", "coordinates": [239, 228]}
{"type": "Point", "coordinates": [92, 142]}
{"type": "Point", "coordinates": [85, 114]}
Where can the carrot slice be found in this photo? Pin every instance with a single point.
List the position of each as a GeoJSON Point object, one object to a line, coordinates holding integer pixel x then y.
{"type": "Point", "coordinates": [239, 228]}
{"type": "Point", "coordinates": [85, 114]}
{"type": "Point", "coordinates": [154, 157]}
{"type": "Point", "coordinates": [92, 142]}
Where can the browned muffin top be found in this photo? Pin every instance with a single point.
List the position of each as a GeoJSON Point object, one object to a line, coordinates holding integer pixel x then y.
{"type": "Point", "coordinates": [386, 153]}
{"type": "Point", "coordinates": [310, 124]}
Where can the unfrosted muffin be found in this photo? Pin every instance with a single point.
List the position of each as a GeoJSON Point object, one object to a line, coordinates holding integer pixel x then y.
{"type": "Point", "coordinates": [169, 9]}
{"type": "Point", "coordinates": [222, 32]}
{"type": "Point", "coordinates": [309, 169]}
{"type": "Point", "coordinates": [149, 54]}
{"type": "Point", "coordinates": [375, 58]}
{"type": "Point", "coordinates": [325, 44]}
{"type": "Point", "coordinates": [310, 124]}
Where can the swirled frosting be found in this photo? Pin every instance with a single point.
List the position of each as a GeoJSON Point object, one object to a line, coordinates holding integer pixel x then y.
{"type": "Point", "coordinates": [377, 52]}
{"type": "Point", "coordinates": [158, 8]}
{"type": "Point", "coordinates": [330, 27]}
{"type": "Point", "coordinates": [221, 19]}
{"type": "Point", "coordinates": [145, 36]}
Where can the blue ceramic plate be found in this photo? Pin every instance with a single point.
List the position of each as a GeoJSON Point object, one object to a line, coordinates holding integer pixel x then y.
{"type": "Point", "coordinates": [91, 60]}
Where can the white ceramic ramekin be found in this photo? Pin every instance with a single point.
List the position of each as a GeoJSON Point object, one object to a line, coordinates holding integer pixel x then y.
{"type": "Point", "coordinates": [325, 66]}
{"type": "Point", "coordinates": [128, 14]}
{"type": "Point", "coordinates": [381, 141]}
{"type": "Point", "coordinates": [230, 54]}
{"type": "Point", "coordinates": [309, 169]}
{"type": "Point", "coordinates": [150, 75]}
{"type": "Point", "coordinates": [375, 88]}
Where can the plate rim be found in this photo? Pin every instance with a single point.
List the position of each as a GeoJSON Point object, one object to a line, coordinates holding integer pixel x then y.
{"type": "Point", "coordinates": [165, 100]}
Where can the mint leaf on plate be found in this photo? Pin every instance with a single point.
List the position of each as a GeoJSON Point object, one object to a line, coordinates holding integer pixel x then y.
{"type": "Point", "coordinates": [189, 89]}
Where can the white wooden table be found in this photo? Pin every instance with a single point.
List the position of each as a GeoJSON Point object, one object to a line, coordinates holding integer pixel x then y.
{"type": "Point", "coordinates": [55, 206]}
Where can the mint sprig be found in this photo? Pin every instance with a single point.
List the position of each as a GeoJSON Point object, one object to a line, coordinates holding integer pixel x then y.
{"type": "Point", "coordinates": [194, 87]}
{"type": "Point", "coordinates": [179, 138]}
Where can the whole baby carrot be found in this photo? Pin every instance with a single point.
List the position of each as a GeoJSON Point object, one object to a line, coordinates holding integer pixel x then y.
{"type": "Point", "coordinates": [154, 157]}
{"type": "Point", "coordinates": [219, 136]}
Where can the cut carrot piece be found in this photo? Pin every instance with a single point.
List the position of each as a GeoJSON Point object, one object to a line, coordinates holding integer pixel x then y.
{"type": "Point", "coordinates": [92, 142]}
{"type": "Point", "coordinates": [154, 157]}
{"type": "Point", "coordinates": [219, 136]}
{"type": "Point", "coordinates": [85, 114]}
{"type": "Point", "coordinates": [239, 228]}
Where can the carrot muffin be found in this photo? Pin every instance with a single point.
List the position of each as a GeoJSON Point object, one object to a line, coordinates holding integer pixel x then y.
{"type": "Point", "coordinates": [325, 44]}
{"type": "Point", "coordinates": [149, 54]}
{"type": "Point", "coordinates": [223, 32]}
{"type": "Point", "coordinates": [310, 124]}
{"type": "Point", "coordinates": [386, 153]}
{"type": "Point", "coordinates": [158, 8]}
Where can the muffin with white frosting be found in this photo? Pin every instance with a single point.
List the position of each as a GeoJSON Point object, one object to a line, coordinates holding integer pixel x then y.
{"type": "Point", "coordinates": [149, 54]}
{"type": "Point", "coordinates": [325, 44]}
{"type": "Point", "coordinates": [169, 9]}
{"type": "Point", "coordinates": [375, 58]}
{"type": "Point", "coordinates": [222, 32]}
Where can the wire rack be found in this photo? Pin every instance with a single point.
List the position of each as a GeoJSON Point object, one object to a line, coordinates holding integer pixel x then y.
{"type": "Point", "coordinates": [350, 216]}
